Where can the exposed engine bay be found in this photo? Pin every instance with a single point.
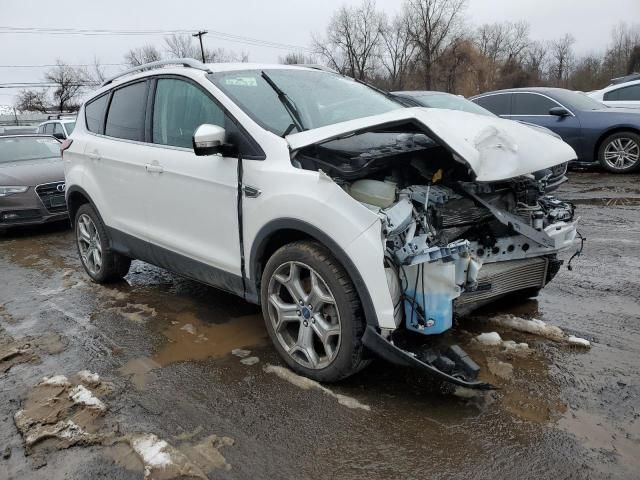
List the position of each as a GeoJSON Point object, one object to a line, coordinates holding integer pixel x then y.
{"type": "Point", "coordinates": [451, 243]}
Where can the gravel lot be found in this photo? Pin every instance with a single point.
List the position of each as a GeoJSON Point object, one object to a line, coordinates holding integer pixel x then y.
{"type": "Point", "coordinates": [187, 385]}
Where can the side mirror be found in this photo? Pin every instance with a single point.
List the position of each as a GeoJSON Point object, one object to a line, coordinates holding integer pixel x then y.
{"type": "Point", "coordinates": [559, 111]}
{"type": "Point", "coordinates": [209, 140]}
{"type": "Point", "coordinates": [59, 136]}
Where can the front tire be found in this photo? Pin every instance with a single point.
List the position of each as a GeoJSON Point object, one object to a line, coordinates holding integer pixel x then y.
{"type": "Point", "coordinates": [101, 263]}
{"type": "Point", "coordinates": [620, 152]}
{"type": "Point", "coordinates": [312, 312]}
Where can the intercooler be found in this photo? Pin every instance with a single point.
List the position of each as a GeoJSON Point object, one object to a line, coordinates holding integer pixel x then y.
{"type": "Point", "coordinates": [500, 278]}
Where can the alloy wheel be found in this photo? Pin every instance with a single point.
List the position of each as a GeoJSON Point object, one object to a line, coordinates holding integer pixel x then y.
{"type": "Point", "coordinates": [304, 315]}
{"type": "Point", "coordinates": [622, 153]}
{"type": "Point", "coordinates": [89, 244]}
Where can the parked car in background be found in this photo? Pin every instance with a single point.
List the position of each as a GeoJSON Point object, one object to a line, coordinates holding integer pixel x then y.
{"type": "Point", "coordinates": [431, 99]}
{"type": "Point", "coordinates": [625, 94]}
{"type": "Point", "coordinates": [59, 128]}
{"type": "Point", "coordinates": [610, 136]}
{"type": "Point", "coordinates": [32, 183]}
{"type": "Point", "coordinates": [18, 130]}
{"type": "Point", "coordinates": [350, 219]}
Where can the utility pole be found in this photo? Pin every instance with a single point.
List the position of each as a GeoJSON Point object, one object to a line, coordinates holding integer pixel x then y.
{"type": "Point", "coordinates": [199, 35]}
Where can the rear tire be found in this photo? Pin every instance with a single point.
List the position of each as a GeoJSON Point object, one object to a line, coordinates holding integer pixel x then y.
{"type": "Point", "coordinates": [312, 312]}
{"type": "Point", "coordinates": [101, 263]}
{"type": "Point", "coordinates": [620, 152]}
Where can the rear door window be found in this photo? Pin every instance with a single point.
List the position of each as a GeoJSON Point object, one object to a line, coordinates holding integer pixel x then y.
{"type": "Point", "coordinates": [48, 128]}
{"type": "Point", "coordinates": [499, 104]}
{"type": "Point", "coordinates": [57, 128]}
{"type": "Point", "coordinates": [127, 112]}
{"type": "Point", "coordinates": [94, 114]}
{"type": "Point", "coordinates": [531, 104]}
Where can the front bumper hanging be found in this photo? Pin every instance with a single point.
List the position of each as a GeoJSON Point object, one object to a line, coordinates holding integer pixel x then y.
{"type": "Point", "coordinates": [454, 366]}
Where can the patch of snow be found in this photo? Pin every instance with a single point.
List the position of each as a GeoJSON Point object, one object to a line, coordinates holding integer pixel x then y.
{"type": "Point", "coordinates": [55, 381]}
{"type": "Point", "coordinates": [89, 378]}
{"type": "Point", "coordinates": [579, 342]}
{"type": "Point", "coordinates": [490, 339]}
{"type": "Point", "coordinates": [189, 328]}
{"type": "Point", "coordinates": [500, 369]}
{"type": "Point", "coordinates": [512, 346]}
{"type": "Point", "coordinates": [308, 384]}
{"type": "Point", "coordinates": [533, 326]}
{"type": "Point", "coordinates": [83, 396]}
{"type": "Point", "coordinates": [464, 392]}
{"type": "Point", "coordinates": [153, 451]}
{"type": "Point", "coordinates": [239, 352]}
{"type": "Point", "coordinates": [250, 360]}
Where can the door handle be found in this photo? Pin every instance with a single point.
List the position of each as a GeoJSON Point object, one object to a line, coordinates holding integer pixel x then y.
{"type": "Point", "coordinates": [154, 168]}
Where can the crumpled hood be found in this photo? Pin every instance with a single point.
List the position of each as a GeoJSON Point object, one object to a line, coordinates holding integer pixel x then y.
{"type": "Point", "coordinates": [494, 148]}
{"type": "Point", "coordinates": [31, 173]}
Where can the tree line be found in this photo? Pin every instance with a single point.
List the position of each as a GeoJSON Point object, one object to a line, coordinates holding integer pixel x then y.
{"type": "Point", "coordinates": [428, 44]}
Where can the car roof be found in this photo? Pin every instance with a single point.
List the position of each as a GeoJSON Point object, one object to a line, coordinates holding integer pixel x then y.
{"type": "Point", "coordinates": [545, 90]}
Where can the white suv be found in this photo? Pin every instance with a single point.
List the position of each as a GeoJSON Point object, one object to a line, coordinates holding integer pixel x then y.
{"type": "Point", "coordinates": [353, 221]}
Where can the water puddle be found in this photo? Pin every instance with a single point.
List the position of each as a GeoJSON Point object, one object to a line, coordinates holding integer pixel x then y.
{"type": "Point", "coordinates": [190, 338]}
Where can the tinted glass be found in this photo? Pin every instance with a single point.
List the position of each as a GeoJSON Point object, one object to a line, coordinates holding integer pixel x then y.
{"type": "Point", "coordinates": [612, 95]}
{"type": "Point", "coordinates": [576, 100]}
{"type": "Point", "coordinates": [179, 108]}
{"type": "Point", "coordinates": [41, 128]}
{"type": "Point", "coordinates": [70, 126]}
{"type": "Point", "coordinates": [498, 104]}
{"type": "Point", "coordinates": [321, 98]}
{"type": "Point", "coordinates": [126, 113]}
{"type": "Point", "coordinates": [631, 92]}
{"type": "Point", "coordinates": [57, 128]}
{"type": "Point", "coordinates": [48, 128]}
{"type": "Point", "coordinates": [94, 114]}
{"type": "Point", "coordinates": [531, 104]}
{"type": "Point", "coordinates": [17, 149]}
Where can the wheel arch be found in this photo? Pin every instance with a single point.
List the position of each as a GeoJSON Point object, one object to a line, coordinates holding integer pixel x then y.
{"type": "Point", "coordinates": [278, 233]}
{"type": "Point", "coordinates": [609, 132]}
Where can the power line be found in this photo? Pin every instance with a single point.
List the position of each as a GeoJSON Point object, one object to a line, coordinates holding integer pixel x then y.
{"type": "Point", "coordinates": [96, 32]}
{"type": "Point", "coordinates": [49, 65]}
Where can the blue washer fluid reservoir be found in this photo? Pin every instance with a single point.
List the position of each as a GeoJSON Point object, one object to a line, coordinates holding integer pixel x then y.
{"type": "Point", "coordinates": [433, 298]}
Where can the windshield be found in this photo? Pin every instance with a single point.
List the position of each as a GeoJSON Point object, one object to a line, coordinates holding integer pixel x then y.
{"type": "Point", "coordinates": [69, 126]}
{"type": "Point", "coordinates": [18, 149]}
{"type": "Point", "coordinates": [578, 100]}
{"type": "Point", "coordinates": [320, 98]}
{"type": "Point", "coordinates": [450, 102]}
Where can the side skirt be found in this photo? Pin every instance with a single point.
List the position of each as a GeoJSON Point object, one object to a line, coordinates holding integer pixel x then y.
{"type": "Point", "coordinates": [147, 252]}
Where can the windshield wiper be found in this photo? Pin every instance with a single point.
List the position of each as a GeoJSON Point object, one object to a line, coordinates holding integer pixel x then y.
{"type": "Point", "coordinates": [288, 104]}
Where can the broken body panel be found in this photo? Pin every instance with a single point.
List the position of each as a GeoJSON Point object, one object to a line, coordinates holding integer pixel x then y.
{"type": "Point", "coordinates": [463, 211]}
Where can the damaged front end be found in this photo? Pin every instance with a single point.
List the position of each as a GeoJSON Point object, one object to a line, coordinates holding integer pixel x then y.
{"type": "Point", "coordinates": [452, 242]}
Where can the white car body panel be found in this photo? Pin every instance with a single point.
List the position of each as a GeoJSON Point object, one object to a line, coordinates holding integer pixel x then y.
{"type": "Point", "coordinates": [494, 148]}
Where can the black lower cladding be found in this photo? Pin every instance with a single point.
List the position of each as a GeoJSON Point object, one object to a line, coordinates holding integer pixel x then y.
{"type": "Point", "coordinates": [147, 252]}
{"type": "Point", "coordinates": [455, 366]}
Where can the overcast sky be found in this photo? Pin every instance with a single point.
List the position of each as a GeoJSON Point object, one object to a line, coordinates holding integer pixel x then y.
{"type": "Point", "coordinates": [288, 22]}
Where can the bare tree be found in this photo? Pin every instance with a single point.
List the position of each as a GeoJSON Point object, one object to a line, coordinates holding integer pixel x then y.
{"type": "Point", "coordinates": [181, 46]}
{"type": "Point", "coordinates": [434, 24]}
{"type": "Point", "coordinates": [220, 55]}
{"type": "Point", "coordinates": [536, 56]}
{"type": "Point", "coordinates": [297, 58]}
{"type": "Point", "coordinates": [634, 60]}
{"type": "Point", "coordinates": [141, 55]}
{"type": "Point", "coordinates": [623, 40]}
{"type": "Point", "coordinates": [95, 74]}
{"type": "Point", "coordinates": [32, 101]}
{"type": "Point", "coordinates": [397, 50]}
{"type": "Point", "coordinates": [352, 39]}
{"type": "Point", "coordinates": [562, 59]}
{"type": "Point", "coordinates": [68, 83]}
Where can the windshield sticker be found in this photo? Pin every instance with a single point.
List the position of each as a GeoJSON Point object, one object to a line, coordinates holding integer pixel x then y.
{"type": "Point", "coordinates": [241, 81]}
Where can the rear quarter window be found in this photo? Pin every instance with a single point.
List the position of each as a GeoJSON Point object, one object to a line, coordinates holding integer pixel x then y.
{"type": "Point", "coordinates": [94, 113]}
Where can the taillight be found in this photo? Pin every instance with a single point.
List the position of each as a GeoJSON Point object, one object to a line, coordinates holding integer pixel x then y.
{"type": "Point", "coordinates": [64, 145]}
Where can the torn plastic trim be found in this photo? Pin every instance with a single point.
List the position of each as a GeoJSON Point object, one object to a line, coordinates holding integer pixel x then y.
{"type": "Point", "coordinates": [393, 354]}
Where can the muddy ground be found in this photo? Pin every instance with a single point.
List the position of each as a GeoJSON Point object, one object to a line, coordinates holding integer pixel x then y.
{"type": "Point", "coordinates": [187, 386]}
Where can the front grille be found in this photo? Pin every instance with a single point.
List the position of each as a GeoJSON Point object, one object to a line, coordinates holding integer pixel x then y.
{"type": "Point", "coordinates": [506, 277]}
{"type": "Point", "coordinates": [52, 197]}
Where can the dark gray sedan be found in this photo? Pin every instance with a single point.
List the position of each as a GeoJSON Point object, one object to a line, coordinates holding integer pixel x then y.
{"type": "Point", "coordinates": [31, 181]}
{"type": "Point", "coordinates": [610, 136]}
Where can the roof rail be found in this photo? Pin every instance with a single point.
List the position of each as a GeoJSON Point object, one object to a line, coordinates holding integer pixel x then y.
{"type": "Point", "coordinates": [316, 67]}
{"type": "Point", "coordinates": [185, 62]}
